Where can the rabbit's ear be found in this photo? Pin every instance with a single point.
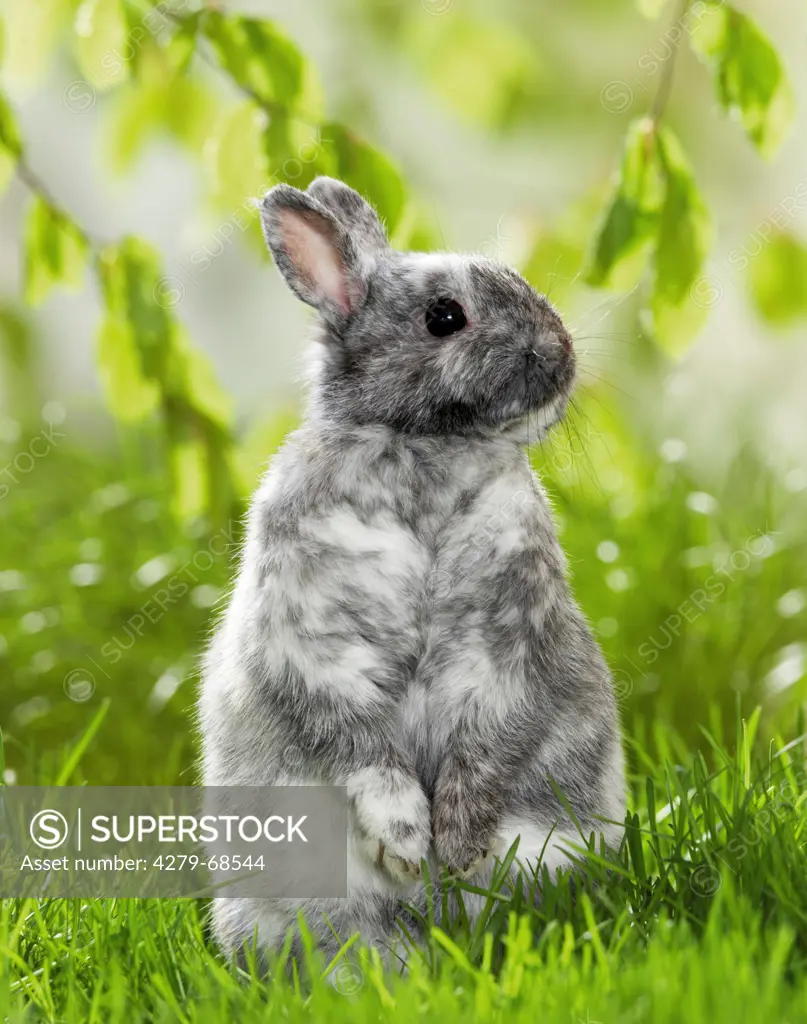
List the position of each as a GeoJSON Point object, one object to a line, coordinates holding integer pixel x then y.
{"type": "Point", "coordinates": [313, 252]}
{"type": "Point", "coordinates": [355, 215]}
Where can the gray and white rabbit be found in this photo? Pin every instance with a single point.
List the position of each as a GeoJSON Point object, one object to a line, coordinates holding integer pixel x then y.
{"type": "Point", "coordinates": [401, 618]}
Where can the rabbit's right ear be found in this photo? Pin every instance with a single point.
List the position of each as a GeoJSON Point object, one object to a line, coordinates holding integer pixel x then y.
{"type": "Point", "coordinates": [313, 252]}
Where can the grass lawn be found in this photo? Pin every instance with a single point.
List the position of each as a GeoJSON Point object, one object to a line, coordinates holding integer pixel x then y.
{"type": "Point", "coordinates": [701, 917]}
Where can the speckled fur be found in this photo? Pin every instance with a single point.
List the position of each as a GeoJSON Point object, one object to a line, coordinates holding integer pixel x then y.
{"type": "Point", "coordinates": [402, 623]}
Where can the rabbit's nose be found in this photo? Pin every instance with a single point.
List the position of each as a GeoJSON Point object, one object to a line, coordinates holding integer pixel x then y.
{"type": "Point", "coordinates": [557, 334]}
{"type": "Point", "coordinates": [561, 337]}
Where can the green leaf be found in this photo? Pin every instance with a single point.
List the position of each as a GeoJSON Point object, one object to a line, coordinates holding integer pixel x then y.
{"type": "Point", "coordinates": [55, 252]}
{"type": "Point", "coordinates": [749, 77]}
{"type": "Point", "coordinates": [139, 111]}
{"type": "Point", "coordinates": [141, 340]}
{"type": "Point", "coordinates": [33, 31]}
{"type": "Point", "coordinates": [103, 49]}
{"type": "Point", "coordinates": [311, 99]}
{"type": "Point", "coordinates": [182, 45]}
{"type": "Point", "coordinates": [293, 143]}
{"type": "Point", "coordinates": [779, 280]}
{"type": "Point", "coordinates": [685, 230]}
{"type": "Point", "coordinates": [133, 288]}
{"type": "Point", "coordinates": [130, 395]}
{"type": "Point", "coordinates": [631, 218]}
{"type": "Point", "coordinates": [194, 378]}
{"type": "Point", "coordinates": [181, 105]}
{"type": "Point", "coordinates": [672, 327]}
{"type": "Point", "coordinates": [234, 157]}
{"type": "Point", "coordinates": [683, 242]}
{"type": "Point", "coordinates": [190, 474]}
{"type": "Point", "coordinates": [16, 343]}
{"type": "Point", "coordinates": [485, 70]}
{"type": "Point", "coordinates": [190, 107]}
{"type": "Point", "coordinates": [259, 57]}
{"type": "Point", "coordinates": [657, 211]}
{"type": "Point", "coordinates": [10, 144]}
{"type": "Point", "coordinates": [368, 171]}
{"type": "Point", "coordinates": [296, 152]}
{"type": "Point", "coordinates": [651, 8]}
{"type": "Point", "coordinates": [278, 145]}
{"type": "Point", "coordinates": [10, 138]}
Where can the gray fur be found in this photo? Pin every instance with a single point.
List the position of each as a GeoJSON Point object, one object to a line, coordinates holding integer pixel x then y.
{"type": "Point", "coordinates": [402, 622]}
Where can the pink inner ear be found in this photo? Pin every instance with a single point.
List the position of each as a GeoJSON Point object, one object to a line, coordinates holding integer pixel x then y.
{"type": "Point", "coordinates": [313, 252]}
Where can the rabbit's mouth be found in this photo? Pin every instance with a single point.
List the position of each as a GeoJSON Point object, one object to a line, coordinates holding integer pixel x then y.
{"type": "Point", "coordinates": [546, 387]}
{"type": "Point", "coordinates": [535, 425]}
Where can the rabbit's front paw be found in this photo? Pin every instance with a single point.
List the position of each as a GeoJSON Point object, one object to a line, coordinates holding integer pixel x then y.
{"type": "Point", "coordinates": [392, 816]}
{"type": "Point", "coordinates": [401, 869]}
{"type": "Point", "coordinates": [464, 846]}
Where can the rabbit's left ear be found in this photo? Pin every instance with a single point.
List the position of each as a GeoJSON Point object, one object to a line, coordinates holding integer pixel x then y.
{"type": "Point", "coordinates": [353, 212]}
{"type": "Point", "coordinates": [314, 252]}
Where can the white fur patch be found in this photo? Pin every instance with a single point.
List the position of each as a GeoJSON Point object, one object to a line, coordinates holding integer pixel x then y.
{"type": "Point", "coordinates": [386, 538]}
{"type": "Point", "coordinates": [383, 797]}
{"type": "Point", "coordinates": [471, 674]}
{"type": "Point", "coordinates": [553, 849]}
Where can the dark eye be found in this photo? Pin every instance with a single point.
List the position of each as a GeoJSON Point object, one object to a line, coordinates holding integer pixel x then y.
{"type": "Point", "coordinates": [444, 317]}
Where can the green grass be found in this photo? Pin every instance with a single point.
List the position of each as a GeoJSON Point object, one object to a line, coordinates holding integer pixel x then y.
{"type": "Point", "coordinates": [702, 915]}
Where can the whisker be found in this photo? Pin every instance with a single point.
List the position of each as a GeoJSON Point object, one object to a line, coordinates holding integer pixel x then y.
{"type": "Point", "coordinates": [609, 383]}
{"type": "Point", "coordinates": [552, 277]}
{"type": "Point", "coordinates": [602, 353]}
{"type": "Point", "coordinates": [591, 312]}
{"type": "Point", "coordinates": [599, 433]}
{"type": "Point", "coordinates": [592, 394]}
{"type": "Point", "coordinates": [624, 337]}
{"type": "Point", "coordinates": [583, 454]}
{"type": "Point", "coordinates": [608, 312]}
{"type": "Point", "coordinates": [439, 227]}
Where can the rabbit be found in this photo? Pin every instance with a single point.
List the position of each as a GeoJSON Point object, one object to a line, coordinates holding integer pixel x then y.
{"type": "Point", "coordinates": [401, 617]}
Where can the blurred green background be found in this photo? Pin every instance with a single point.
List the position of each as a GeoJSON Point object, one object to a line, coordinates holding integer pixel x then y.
{"type": "Point", "coordinates": [642, 163]}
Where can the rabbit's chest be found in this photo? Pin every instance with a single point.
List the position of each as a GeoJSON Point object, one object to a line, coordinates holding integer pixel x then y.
{"type": "Point", "coordinates": [497, 567]}
{"type": "Point", "coordinates": [352, 588]}
{"type": "Point", "coordinates": [492, 569]}
{"type": "Point", "coordinates": [431, 608]}
{"type": "Point", "coordinates": [377, 557]}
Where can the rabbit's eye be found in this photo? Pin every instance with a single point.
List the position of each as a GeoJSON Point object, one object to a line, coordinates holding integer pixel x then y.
{"type": "Point", "coordinates": [445, 316]}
